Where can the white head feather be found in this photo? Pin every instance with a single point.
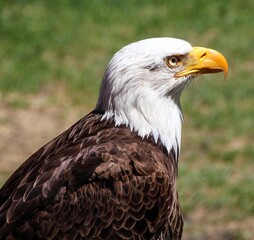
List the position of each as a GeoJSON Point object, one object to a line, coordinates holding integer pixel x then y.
{"type": "Point", "coordinates": [139, 90]}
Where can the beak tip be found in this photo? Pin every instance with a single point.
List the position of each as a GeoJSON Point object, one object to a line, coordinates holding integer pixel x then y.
{"type": "Point", "coordinates": [225, 75]}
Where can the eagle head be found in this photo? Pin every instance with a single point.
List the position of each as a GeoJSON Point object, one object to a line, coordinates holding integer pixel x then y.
{"type": "Point", "coordinates": [143, 82]}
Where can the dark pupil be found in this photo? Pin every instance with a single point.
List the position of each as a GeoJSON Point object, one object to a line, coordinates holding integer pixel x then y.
{"type": "Point", "coordinates": [173, 60]}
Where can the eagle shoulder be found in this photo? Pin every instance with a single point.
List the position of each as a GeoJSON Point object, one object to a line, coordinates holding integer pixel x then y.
{"type": "Point", "coordinates": [93, 181]}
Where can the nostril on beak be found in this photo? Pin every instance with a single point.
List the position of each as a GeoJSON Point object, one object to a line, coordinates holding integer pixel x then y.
{"type": "Point", "coordinates": [203, 55]}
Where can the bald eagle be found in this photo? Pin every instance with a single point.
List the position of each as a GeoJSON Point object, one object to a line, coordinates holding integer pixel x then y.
{"type": "Point", "coordinates": [113, 174]}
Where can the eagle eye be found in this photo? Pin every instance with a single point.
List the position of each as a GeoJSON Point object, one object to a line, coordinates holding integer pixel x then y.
{"type": "Point", "coordinates": [173, 61]}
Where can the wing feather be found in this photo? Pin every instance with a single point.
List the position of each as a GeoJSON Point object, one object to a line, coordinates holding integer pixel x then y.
{"type": "Point", "coordinates": [94, 181]}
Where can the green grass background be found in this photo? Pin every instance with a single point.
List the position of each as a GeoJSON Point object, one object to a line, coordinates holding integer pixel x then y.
{"type": "Point", "coordinates": [49, 45]}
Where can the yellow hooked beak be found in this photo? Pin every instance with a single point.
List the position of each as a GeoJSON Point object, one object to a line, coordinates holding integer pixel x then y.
{"type": "Point", "coordinates": [203, 60]}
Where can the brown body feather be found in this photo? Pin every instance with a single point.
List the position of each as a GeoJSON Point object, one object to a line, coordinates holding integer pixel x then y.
{"type": "Point", "coordinates": [94, 181]}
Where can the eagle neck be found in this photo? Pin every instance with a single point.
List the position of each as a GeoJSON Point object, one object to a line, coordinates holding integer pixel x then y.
{"type": "Point", "coordinates": [159, 118]}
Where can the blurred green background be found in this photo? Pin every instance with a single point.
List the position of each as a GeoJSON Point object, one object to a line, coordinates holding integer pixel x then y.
{"type": "Point", "coordinates": [60, 49]}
